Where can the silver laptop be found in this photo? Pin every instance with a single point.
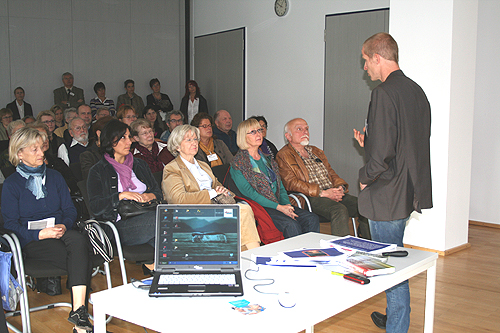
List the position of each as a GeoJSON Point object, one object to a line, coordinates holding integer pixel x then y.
{"type": "Point", "coordinates": [197, 251]}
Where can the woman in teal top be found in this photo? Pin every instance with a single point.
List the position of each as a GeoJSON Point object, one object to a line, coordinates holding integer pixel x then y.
{"type": "Point", "coordinates": [257, 177]}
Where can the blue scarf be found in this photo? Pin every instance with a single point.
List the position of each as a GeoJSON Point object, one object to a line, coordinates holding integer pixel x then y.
{"type": "Point", "coordinates": [34, 177]}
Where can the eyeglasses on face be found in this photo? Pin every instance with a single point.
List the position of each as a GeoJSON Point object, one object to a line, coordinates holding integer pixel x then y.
{"type": "Point", "coordinates": [46, 122]}
{"type": "Point", "coordinates": [173, 121]}
{"type": "Point", "coordinates": [191, 140]}
{"type": "Point", "coordinates": [205, 126]}
{"type": "Point", "coordinates": [147, 133]}
{"type": "Point", "coordinates": [7, 117]}
{"type": "Point", "coordinates": [130, 117]}
{"type": "Point", "coordinates": [253, 132]}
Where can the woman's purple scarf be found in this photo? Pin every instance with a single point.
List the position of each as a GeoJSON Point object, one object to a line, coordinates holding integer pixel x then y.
{"type": "Point", "coordinates": [124, 171]}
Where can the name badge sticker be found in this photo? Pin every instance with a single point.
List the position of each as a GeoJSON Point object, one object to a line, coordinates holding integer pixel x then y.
{"type": "Point", "coordinates": [212, 157]}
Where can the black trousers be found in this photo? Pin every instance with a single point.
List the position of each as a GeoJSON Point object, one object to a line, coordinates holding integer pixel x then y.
{"type": "Point", "coordinates": [3, 325]}
{"type": "Point", "coordinates": [71, 252]}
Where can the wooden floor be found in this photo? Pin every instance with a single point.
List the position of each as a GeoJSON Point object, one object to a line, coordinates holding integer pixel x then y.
{"type": "Point", "coordinates": [467, 295]}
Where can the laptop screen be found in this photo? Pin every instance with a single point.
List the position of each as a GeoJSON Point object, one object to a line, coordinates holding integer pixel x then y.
{"type": "Point", "coordinates": [197, 235]}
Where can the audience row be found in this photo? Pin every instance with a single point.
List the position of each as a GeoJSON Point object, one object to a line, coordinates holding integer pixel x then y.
{"type": "Point", "coordinates": [118, 158]}
{"type": "Point", "coordinates": [69, 96]}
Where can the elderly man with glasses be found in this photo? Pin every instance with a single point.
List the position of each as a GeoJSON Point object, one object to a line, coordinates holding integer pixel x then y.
{"type": "Point", "coordinates": [70, 152]}
{"type": "Point", "coordinates": [304, 168]}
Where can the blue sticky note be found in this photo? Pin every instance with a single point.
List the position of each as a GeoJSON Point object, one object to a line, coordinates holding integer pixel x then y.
{"type": "Point", "coordinates": [240, 304]}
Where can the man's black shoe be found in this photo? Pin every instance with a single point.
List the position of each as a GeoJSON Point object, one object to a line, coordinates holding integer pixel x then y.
{"type": "Point", "coordinates": [379, 319]}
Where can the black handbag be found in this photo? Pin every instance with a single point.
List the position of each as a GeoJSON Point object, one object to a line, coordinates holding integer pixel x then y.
{"type": "Point", "coordinates": [49, 285]}
{"type": "Point", "coordinates": [131, 208]}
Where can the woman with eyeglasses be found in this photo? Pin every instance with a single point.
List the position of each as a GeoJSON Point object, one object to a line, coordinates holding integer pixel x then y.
{"type": "Point", "coordinates": [188, 181]}
{"type": "Point", "coordinates": [147, 148]}
{"type": "Point", "coordinates": [6, 119]}
{"type": "Point", "coordinates": [126, 114]}
{"type": "Point", "coordinates": [267, 146]}
{"type": "Point", "coordinates": [212, 151]}
{"type": "Point", "coordinates": [257, 177]}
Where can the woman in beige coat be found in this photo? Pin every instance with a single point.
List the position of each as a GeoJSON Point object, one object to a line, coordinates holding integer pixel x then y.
{"type": "Point", "coordinates": [188, 181]}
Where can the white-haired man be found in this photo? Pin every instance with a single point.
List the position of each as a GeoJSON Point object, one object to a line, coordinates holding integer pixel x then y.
{"type": "Point", "coordinates": [70, 152]}
{"type": "Point", "coordinates": [305, 169]}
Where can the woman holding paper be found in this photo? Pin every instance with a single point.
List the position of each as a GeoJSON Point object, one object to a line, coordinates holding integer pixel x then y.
{"type": "Point", "coordinates": [37, 193]}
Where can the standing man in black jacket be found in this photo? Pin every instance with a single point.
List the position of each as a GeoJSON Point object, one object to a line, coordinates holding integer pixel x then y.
{"type": "Point", "coordinates": [396, 179]}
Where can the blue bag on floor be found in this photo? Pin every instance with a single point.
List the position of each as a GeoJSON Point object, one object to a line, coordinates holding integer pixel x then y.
{"type": "Point", "coordinates": [10, 290]}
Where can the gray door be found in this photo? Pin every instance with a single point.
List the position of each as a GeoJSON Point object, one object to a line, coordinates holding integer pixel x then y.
{"type": "Point", "coordinates": [347, 88]}
{"type": "Point", "coordinates": [219, 70]}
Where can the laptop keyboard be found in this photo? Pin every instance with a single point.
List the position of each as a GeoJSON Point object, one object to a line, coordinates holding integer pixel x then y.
{"type": "Point", "coordinates": [220, 279]}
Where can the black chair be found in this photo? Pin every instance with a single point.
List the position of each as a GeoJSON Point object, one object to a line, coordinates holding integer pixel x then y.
{"type": "Point", "coordinates": [158, 177]}
{"type": "Point", "coordinates": [221, 172]}
{"type": "Point", "coordinates": [137, 253]}
{"type": "Point", "coordinates": [8, 170]}
{"type": "Point", "coordinates": [76, 168]}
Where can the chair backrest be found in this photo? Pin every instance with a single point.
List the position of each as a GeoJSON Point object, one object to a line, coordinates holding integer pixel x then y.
{"type": "Point", "coordinates": [158, 177]}
{"type": "Point", "coordinates": [8, 170]}
{"type": "Point", "coordinates": [82, 185]}
{"type": "Point", "coordinates": [76, 168]}
{"type": "Point", "coordinates": [222, 173]}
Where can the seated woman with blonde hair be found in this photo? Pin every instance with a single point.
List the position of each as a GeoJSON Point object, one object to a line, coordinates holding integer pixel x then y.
{"type": "Point", "coordinates": [257, 177]}
{"type": "Point", "coordinates": [35, 192]}
{"type": "Point", "coordinates": [188, 181]}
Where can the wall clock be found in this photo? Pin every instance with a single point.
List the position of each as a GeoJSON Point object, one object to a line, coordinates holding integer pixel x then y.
{"type": "Point", "coordinates": [281, 7]}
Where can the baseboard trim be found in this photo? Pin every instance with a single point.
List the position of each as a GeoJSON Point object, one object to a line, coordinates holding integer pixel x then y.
{"type": "Point", "coordinates": [485, 224]}
{"type": "Point", "coordinates": [441, 253]}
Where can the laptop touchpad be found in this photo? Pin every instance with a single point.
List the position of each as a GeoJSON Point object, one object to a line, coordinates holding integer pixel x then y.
{"type": "Point", "coordinates": [196, 288]}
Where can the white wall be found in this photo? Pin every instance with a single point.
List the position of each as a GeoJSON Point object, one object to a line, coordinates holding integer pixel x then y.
{"type": "Point", "coordinates": [285, 56]}
{"type": "Point", "coordinates": [485, 182]}
{"type": "Point", "coordinates": [285, 75]}
{"type": "Point", "coordinates": [445, 69]}
{"type": "Point", "coordinates": [108, 41]}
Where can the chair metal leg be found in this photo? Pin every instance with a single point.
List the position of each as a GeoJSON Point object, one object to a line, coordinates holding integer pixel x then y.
{"type": "Point", "coordinates": [292, 195]}
{"type": "Point", "coordinates": [25, 310]}
{"type": "Point", "coordinates": [106, 271]}
{"type": "Point", "coordinates": [119, 250]}
{"type": "Point", "coordinates": [15, 247]}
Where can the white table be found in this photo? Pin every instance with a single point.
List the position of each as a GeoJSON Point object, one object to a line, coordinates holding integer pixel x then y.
{"type": "Point", "coordinates": [319, 295]}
